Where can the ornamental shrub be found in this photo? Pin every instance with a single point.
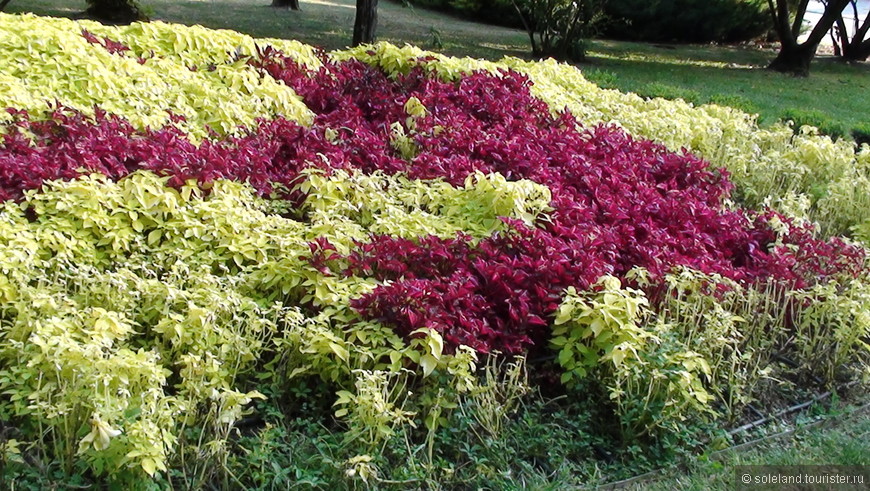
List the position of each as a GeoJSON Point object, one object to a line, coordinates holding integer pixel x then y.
{"type": "Point", "coordinates": [559, 28]}
{"type": "Point", "coordinates": [142, 84]}
{"type": "Point", "coordinates": [161, 308]}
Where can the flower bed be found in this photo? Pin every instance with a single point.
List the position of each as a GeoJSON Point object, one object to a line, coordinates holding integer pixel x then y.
{"type": "Point", "coordinates": [194, 219]}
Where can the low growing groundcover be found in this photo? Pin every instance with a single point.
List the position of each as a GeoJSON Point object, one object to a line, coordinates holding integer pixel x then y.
{"type": "Point", "coordinates": [233, 262]}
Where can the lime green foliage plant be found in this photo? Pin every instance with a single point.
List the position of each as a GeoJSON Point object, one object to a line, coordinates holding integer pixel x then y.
{"type": "Point", "coordinates": [832, 327]}
{"type": "Point", "coordinates": [653, 380]}
{"type": "Point", "coordinates": [188, 72]}
{"type": "Point", "coordinates": [707, 345]}
{"type": "Point", "coordinates": [132, 311]}
{"type": "Point", "coordinates": [600, 327]}
{"type": "Point", "coordinates": [735, 329]}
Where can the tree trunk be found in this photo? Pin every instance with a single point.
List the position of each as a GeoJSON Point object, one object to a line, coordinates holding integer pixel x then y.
{"type": "Point", "coordinates": [366, 22]}
{"type": "Point", "coordinates": [857, 48]}
{"type": "Point", "coordinates": [857, 51]}
{"type": "Point", "coordinates": [794, 59]}
{"type": "Point", "coordinates": [292, 4]}
{"type": "Point", "coordinates": [536, 51]}
{"type": "Point", "coordinates": [839, 36]}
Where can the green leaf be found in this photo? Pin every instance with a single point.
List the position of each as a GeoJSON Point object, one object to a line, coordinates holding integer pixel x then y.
{"type": "Point", "coordinates": [339, 351]}
{"type": "Point", "coordinates": [565, 355]}
{"type": "Point", "coordinates": [149, 466]}
{"type": "Point", "coordinates": [436, 344]}
{"type": "Point", "coordinates": [154, 236]}
{"type": "Point", "coordinates": [428, 362]}
{"type": "Point", "coordinates": [618, 355]}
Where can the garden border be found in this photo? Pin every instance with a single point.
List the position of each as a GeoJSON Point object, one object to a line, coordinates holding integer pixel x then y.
{"type": "Point", "coordinates": [720, 454]}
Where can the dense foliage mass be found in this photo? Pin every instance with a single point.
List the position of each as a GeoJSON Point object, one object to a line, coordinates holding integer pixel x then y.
{"type": "Point", "coordinates": [691, 21]}
{"type": "Point", "coordinates": [217, 221]}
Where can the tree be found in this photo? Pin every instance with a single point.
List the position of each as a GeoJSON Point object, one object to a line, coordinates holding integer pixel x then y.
{"type": "Point", "coordinates": [3, 4]}
{"type": "Point", "coordinates": [856, 47]}
{"type": "Point", "coordinates": [366, 22]}
{"type": "Point", "coordinates": [794, 57]}
{"type": "Point", "coordinates": [291, 4]}
{"type": "Point", "coordinates": [558, 28]}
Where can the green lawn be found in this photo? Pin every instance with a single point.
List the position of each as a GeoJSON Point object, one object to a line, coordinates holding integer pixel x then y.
{"type": "Point", "coordinates": [834, 88]}
{"type": "Point", "coordinates": [698, 73]}
{"type": "Point", "coordinates": [843, 441]}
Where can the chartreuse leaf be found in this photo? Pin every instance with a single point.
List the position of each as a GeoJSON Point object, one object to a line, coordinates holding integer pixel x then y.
{"type": "Point", "coordinates": [146, 94]}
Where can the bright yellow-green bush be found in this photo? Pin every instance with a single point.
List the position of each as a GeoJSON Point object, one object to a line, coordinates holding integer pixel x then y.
{"type": "Point", "coordinates": [601, 327]}
{"type": "Point", "coordinates": [709, 339]}
{"type": "Point", "coordinates": [119, 287]}
{"type": "Point", "coordinates": [196, 46]}
{"type": "Point", "coordinates": [737, 329]}
{"type": "Point", "coordinates": [654, 379]}
{"type": "Point", "coordinates": [734, 329]}
{"type": "Point", "coordinates": [343, 207]}
{"type": "Point", "coordinates": [48, 60]}
{"type": "Point", "coordinates": [834, 327]}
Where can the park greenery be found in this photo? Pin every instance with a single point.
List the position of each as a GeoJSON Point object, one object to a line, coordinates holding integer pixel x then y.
{"type": "Point", "coordinates": [237, 262]}
{"type": "Point", "coordinates": [562, 28]}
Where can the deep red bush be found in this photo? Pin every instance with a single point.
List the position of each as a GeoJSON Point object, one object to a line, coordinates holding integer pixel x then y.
{"type": "Point", "coordinates": [495, 295]}
{"type": "Point", "coordinates": [60, 147]}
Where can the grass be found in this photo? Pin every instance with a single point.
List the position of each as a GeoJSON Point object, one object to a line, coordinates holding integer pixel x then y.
{"type": "Point", "coordinates": [835, 89]}
{"type": "Point", "coordinates": [698, 73]}
{"type": "Point", "coordinates": [843, 442]}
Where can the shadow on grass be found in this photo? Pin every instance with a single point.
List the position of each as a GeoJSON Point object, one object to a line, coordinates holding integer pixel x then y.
{"type": "Point", "coordinates": [324, 23]}
{"type": "Point", "coordinates": [719, 73]}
